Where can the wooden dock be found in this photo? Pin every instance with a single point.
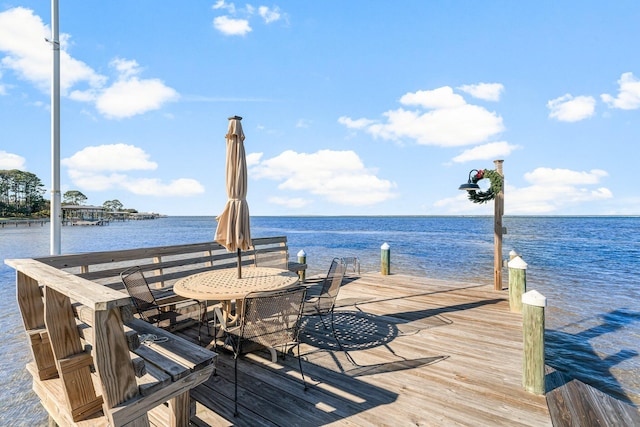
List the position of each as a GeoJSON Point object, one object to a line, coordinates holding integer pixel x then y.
{"type": "Point", "coordinates": [428, 353]}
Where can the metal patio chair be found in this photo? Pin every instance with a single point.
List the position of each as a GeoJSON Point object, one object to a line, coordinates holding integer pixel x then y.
{"type": "Point", "coordinates": [168, 313]}
{"type": "Point", "coordinates": [269, 319]}
{"type": "Point", "coordinates": [276, 258]}
{"type": "Point", "coordinates": [324, 303]}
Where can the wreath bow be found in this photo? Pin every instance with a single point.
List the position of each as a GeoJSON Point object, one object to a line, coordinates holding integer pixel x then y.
{"type": "Point", "coordinates": [494, 188]}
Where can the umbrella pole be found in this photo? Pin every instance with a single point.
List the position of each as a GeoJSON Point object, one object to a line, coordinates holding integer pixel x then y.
{"type": "Point", "coordinates": [239, 265]}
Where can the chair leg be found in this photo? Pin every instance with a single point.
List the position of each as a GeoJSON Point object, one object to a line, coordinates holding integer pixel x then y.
{"type": "Point", "coordinates": [236, 355]}
{"type": "Point", "coordinates": [304, 383]}
{"type": "Point", "coordinates": [200, 323]}
{"type": "Point", "coordinates": [322, 320]}
{"type": "Point", "coordinates": [235, 382]}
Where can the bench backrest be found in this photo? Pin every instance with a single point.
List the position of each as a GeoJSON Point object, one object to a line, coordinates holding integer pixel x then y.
{"type": "Point", "coordinates": [163, 265]}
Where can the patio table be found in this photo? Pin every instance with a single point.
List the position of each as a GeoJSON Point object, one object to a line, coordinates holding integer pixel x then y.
{"type": "Point", "coordinates": [224, 285]}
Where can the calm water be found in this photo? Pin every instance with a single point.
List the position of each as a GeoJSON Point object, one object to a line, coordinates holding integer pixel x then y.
{"type": "Point", "coordinates": [586, 267]}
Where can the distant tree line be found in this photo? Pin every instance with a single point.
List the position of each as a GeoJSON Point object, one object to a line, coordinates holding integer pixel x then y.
{"type": "Point", "coordinates": [75, 197]}
{"type": "Point", "coordinates": [22, 196]}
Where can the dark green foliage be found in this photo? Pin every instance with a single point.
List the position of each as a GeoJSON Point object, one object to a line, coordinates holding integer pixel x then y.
{"type": "Point", "coordinates": [21, 194]}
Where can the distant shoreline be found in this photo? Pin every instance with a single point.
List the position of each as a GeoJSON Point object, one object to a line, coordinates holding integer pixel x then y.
{"type": "Point", "coordinates": [6, 222]}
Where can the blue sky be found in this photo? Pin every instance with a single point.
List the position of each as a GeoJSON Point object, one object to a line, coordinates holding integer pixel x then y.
{"type": "Point", "coordinates": [358, 107]}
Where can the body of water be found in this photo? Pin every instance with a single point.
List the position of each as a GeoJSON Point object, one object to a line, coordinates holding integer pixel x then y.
{"type": "Point", "coordinates": [585, 266]}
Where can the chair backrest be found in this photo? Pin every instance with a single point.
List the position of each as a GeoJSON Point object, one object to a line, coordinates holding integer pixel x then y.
{"type": "Point", "coordinates": [271, 318]}
{"type": "Point", "coordinates": [331, 286]}
{"type": "Point", "coordinates": [354, 261]}
{"type": "Point", "coordinates": [272, 258]}
{"type": "Point", "coordinates": [138, 289]}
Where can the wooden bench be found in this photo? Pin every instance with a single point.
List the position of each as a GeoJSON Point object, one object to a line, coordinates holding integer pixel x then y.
{"type": "Point", "coordinates": [163, 265]}
{"type": "Point", "coordinates": [89, 367]}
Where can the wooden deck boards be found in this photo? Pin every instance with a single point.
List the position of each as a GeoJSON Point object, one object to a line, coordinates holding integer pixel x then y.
{"type": "Point", "coordinates": [428, 353]}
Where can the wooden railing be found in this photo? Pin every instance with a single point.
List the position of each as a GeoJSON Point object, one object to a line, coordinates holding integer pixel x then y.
{"type": "Point", "coordinates": [89, 367]}
{"type": "Point", "coordinates": [163, 265]}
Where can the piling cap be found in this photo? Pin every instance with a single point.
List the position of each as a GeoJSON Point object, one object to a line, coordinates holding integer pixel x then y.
{"type": "Point", "coordinates": [534, 298]}
{"type": "Point", "coordinates": [302, 253]}
{"type": "Point", "coordinates": [517, 263]}
{"type": "Point", "coordinates": [385, 246]}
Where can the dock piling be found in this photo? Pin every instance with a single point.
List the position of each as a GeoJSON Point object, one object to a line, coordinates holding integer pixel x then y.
{"type": "Point", "coordinates": [385, 259]}
{"type": "Point", "coordinates": [302, 259]}
{"type": "Point", "coordinates": [533, 304]}
{"type": "Point", "coordinates": [517, 283]}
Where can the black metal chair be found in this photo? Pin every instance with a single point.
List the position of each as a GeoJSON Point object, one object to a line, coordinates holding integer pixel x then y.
{"type": "Point", "coordinates": [268, 319]}
{"type": "Point", "coordinates": [170, 313]}
{"type": "Point", "coordinates": [276, 258]}
{"type": "Point", "coordinates": [324, 303]}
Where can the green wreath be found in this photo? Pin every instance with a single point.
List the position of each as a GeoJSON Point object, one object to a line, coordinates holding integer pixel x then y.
{"type": "Point", "coordinates": [496, 186]}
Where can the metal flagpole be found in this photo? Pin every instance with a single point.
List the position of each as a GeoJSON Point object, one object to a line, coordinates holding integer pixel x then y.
{"type": "Point", "coordinates": [55, 207]}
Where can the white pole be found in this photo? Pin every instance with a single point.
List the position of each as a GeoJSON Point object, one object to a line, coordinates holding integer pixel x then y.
{"type": "Point", "coordinates": [55, 208]}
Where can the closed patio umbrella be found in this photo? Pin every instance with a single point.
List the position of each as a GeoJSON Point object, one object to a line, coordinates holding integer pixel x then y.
{"type": "Point", "coordinates": [234, 228]}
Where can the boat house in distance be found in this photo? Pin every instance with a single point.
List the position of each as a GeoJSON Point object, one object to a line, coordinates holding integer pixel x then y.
{"type": "Point", "coordinates": [83, 215]}
{"type": "Point", "coordinates": [98, 215]}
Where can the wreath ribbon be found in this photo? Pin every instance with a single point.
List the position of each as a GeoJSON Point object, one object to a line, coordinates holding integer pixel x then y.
{"type": "Point", "coordinates": [494, 188]}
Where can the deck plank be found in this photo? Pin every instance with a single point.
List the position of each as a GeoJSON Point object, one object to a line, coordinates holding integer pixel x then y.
{"type": "Point", "coordinates": [429, 353]}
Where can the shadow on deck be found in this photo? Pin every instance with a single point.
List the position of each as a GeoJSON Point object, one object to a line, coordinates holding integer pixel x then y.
{"type": "Point", "coordinates": [413, 365]}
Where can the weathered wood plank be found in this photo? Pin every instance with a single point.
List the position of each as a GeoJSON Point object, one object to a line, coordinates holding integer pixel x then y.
{"type": "Point", "coordinates": [83, 291]}
{"type": "Point", "coordinates": [426, 351]}
{"type": "Point", "coordinates": [573, 403]}
{"type": "Point", "coordinates": [434, 364]}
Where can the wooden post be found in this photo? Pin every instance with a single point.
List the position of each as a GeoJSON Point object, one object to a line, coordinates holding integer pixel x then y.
{"type": "Point", "coordinates": [497, 233]}
{"type": "Point", "coordinates": [158, 272]}
{"type": "Point", "coordinates": [302, 259]}
{"type": "Point", "coordinates": [517, 283]}
{"type": "Point", "coordinates": [533, 304]}
{"type": "Point", "coordinates": [385, 259]}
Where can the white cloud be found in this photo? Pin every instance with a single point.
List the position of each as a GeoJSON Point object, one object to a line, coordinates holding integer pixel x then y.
{"type": "Point", "coordinates": [99, 168]}
{"type": "Point", "coordinates": [303, 123]}
{"type": "Point", "coordinates": [114, 157]}
{"type": "Point", "coordinates": [550, 191]}
{"type": "Point", "coordinates": [221, 4]}
{"type": "Point", "coordinates": [11, 161]}
{"type": "Point", "coordinates": [628, 93]}
{"type": "Point", "coordinates": [562, 177]}
{"type": "Point", "coordinates": [183, 187]}
{"type": "Point", "coordinates": [449, 122]}
{"type": "Point", "coordinates": [126, 68]}
{"type": "Point", "coordinates": [491, 150]}
{"type": "Point", "coordinates": [231, 27]}
{"type": "Point", "coordinates": [22, 37]}
{"type": "Point", "coordinates": [486, 91]}
{"type": "Point", "coordinates": [290, 202]}
{"type": "Point", "coordinates": [237, 22]}
{"type": "Point", "coordinates": [355, 124]}
{"type": "Point", "coordinates": [440, 98]}
{"type": "Point", "coordinates": [253, 159]}
{"type": "Point", "coordinates": [127, 98]}
{"type": "Point", "coordinates": [3, 87]}
{"type": "Point", "coordinates": [569, 109]}
{"type": "Point", "coordinates": [269, 15]}
{"type": "Point", "coordinates": [337, 176]}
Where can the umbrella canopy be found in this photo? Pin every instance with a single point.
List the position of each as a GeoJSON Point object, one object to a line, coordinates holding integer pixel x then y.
{"type": "Point", "coordinates": [234, 228]}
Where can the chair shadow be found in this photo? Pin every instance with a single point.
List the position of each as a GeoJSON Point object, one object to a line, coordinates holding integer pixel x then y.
{"type": "Point", "coordinates": [358, 330]}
